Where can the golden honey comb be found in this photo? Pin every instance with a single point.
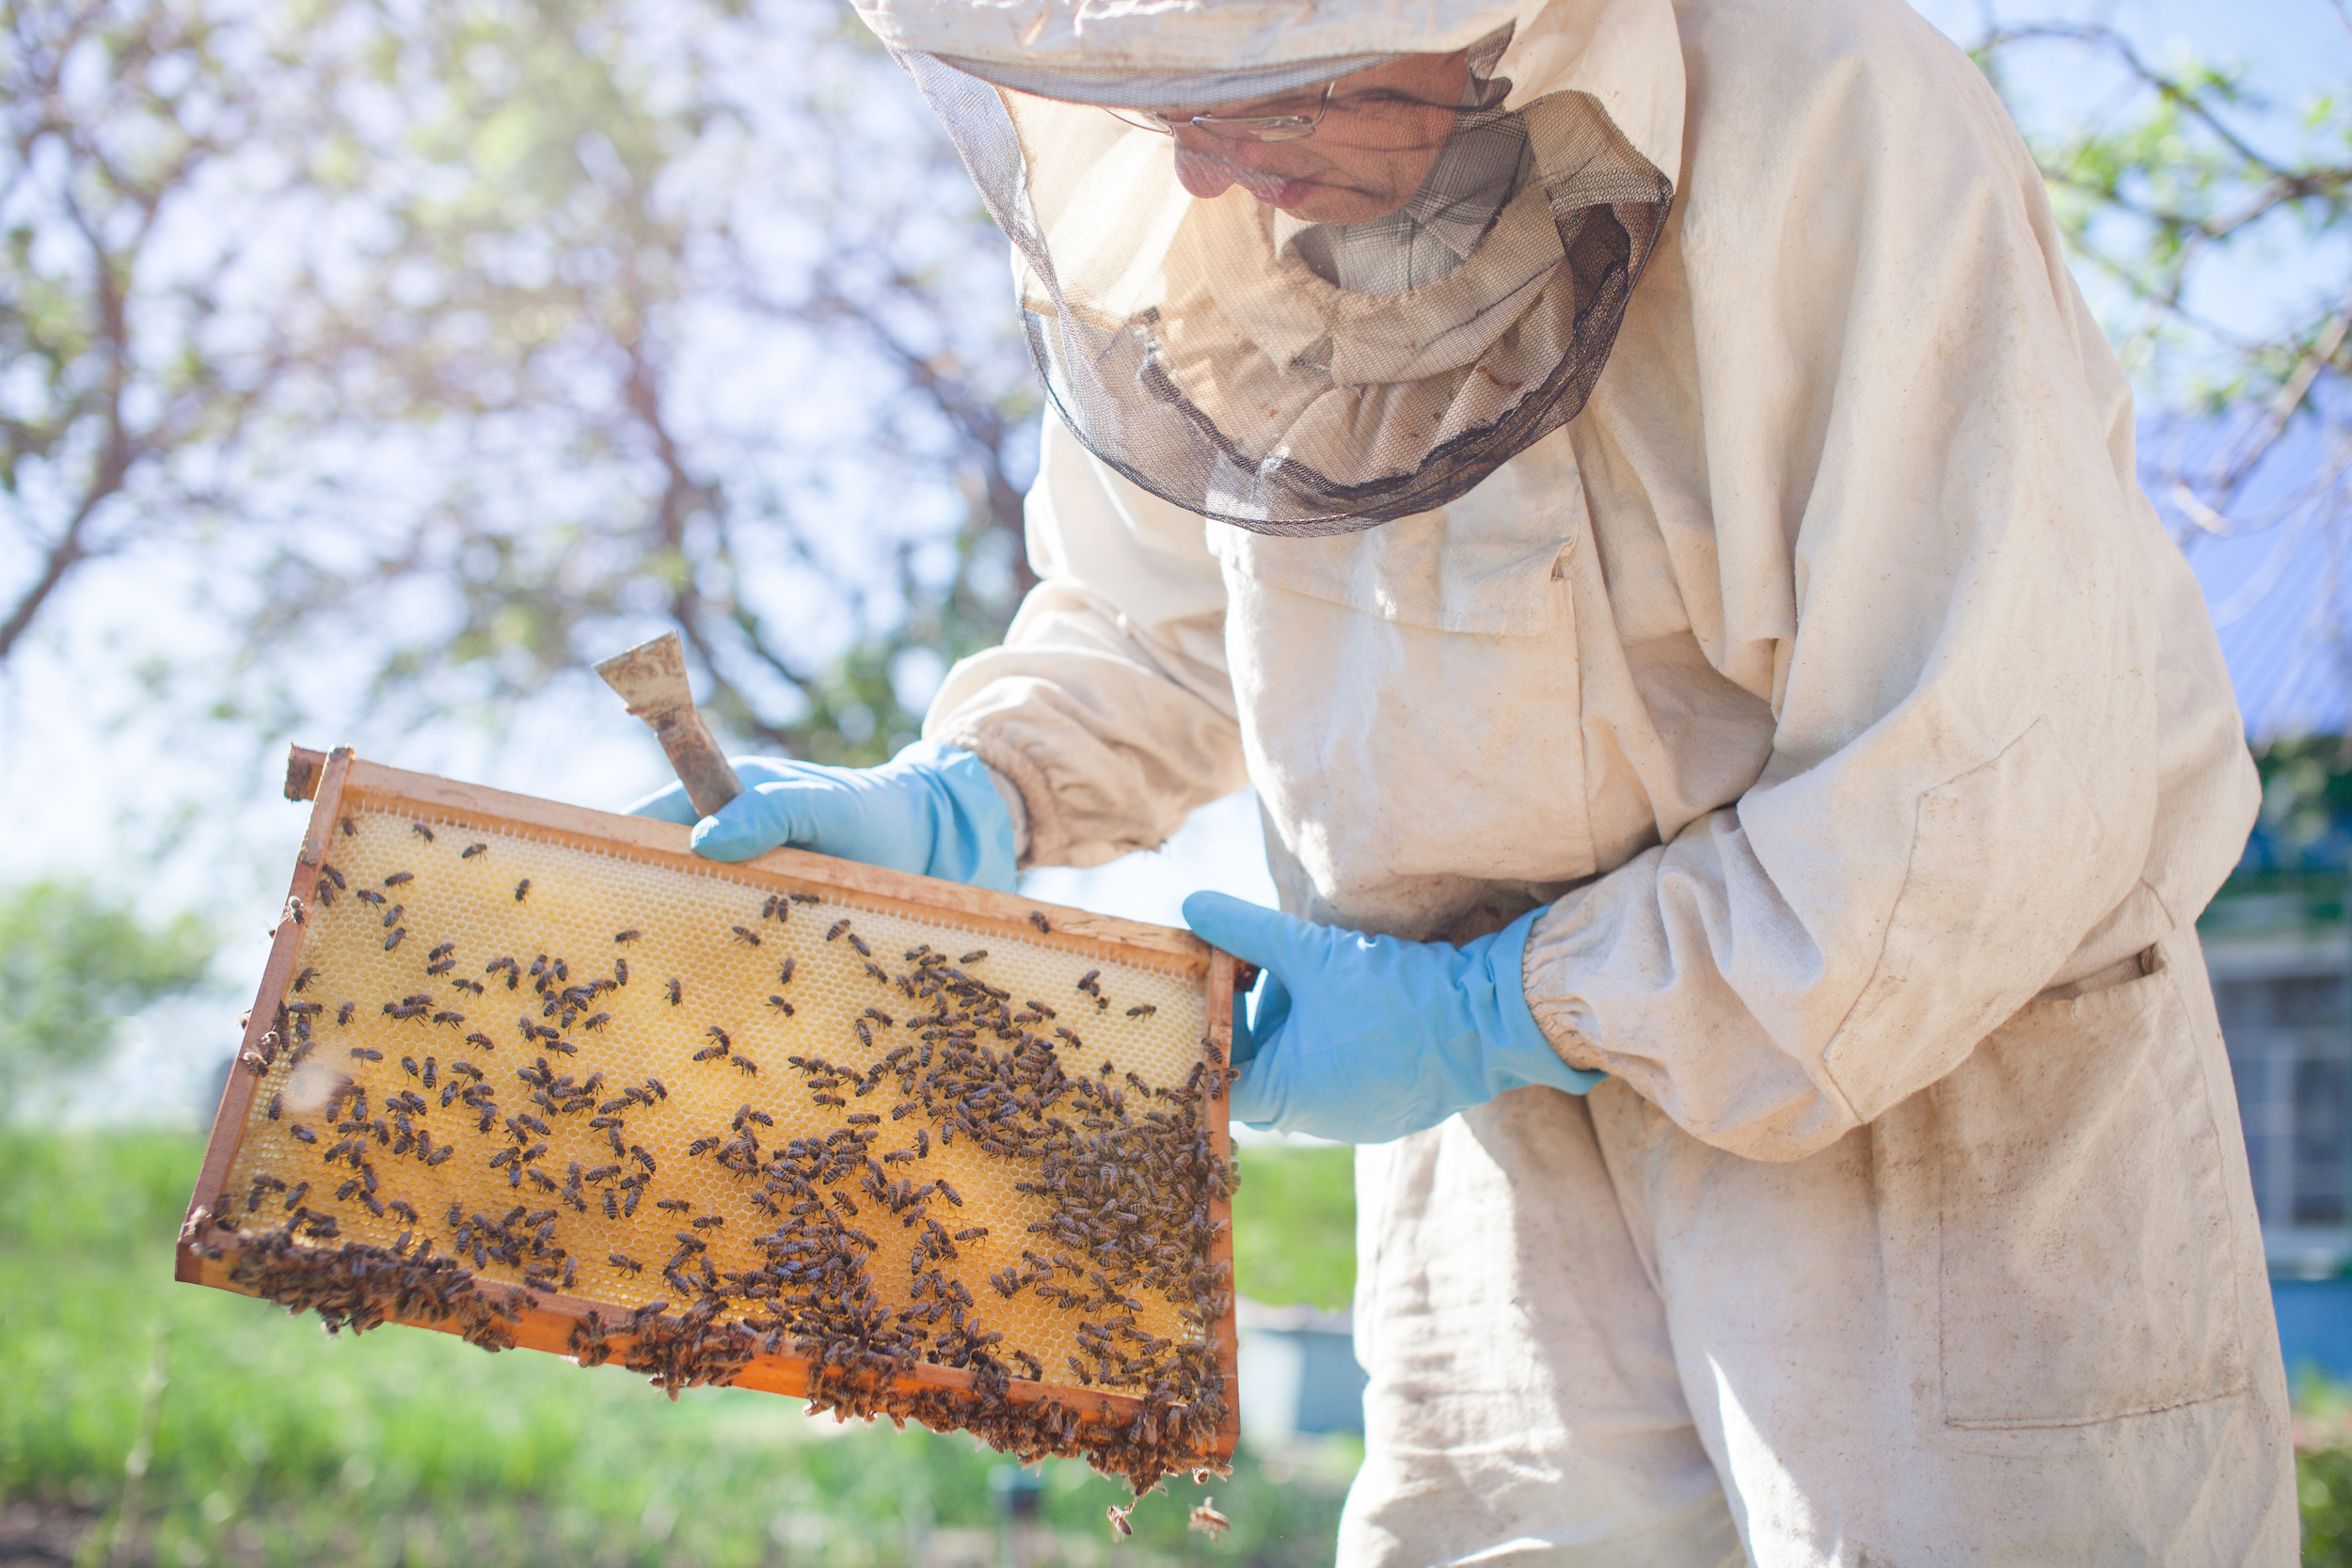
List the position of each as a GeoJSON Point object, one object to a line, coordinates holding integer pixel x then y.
{"type": "Point", "coordinates": [906, 1146]}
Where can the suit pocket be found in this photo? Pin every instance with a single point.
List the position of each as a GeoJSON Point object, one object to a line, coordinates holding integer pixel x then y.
{"type": "Point", "coordinates": [2085, 1233]}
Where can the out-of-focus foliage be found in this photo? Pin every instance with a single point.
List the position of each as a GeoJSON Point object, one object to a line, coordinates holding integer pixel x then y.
{"type": "Point", "coordinates": [476, 341]}
{"type": "Point", "coordinates": [2180, 182]}
{"type": "Point", "coordinates": [1295, 1227]}
{"type": "Point", "coordinates": [2306, 821]}
{"type": "Point", "coordinates": [71, 965]}
{"type": "Point", "coordinates": [125, 397]}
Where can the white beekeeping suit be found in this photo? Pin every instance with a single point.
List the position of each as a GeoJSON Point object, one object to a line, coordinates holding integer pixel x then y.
{"type": "Point", "coordinates": [1738, 552]}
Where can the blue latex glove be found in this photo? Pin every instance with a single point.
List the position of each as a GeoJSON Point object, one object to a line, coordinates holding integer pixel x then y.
{"type": "Point", "coordinates": [931, 809]}
{"type": "Point", "coordinates": [1363, 1038]}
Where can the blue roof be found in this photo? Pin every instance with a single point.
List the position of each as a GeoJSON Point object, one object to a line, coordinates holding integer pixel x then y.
{"type": "Point", "coordinates": [2277, 572]}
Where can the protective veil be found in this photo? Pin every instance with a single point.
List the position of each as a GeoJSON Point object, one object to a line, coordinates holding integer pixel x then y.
{"type": "Point", "coordinates": [1202, 352]}
{"type": "Point", "coordinates": [1833, 686]}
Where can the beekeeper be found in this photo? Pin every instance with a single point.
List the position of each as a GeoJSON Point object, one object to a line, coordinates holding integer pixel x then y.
{"type": "Point", "coordinates": [1636, 490]}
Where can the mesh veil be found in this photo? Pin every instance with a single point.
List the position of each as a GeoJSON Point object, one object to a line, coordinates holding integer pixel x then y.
{"type": "Point", "coordinates": [1191, 353]}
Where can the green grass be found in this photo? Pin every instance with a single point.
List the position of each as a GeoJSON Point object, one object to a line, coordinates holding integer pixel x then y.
{"type": "Point", "coordinates": [278, 1444]}
{"type": "Point", "coordinates": [1295, 1225]}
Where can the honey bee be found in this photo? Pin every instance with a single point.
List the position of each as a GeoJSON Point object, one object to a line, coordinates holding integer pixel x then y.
{"type": "Point", "coordinates": [302, 981]}
{"type": "Point", "coordinates": [974, 957]}
{"type": "Point", "coordinates": [838, 926]}
{"type": "Point", "coordinates": [784, 976]}
{"type": "Point", "coordinates": [626, 936]}
{"type": "Point", "coordinates": [599, 1021]}
{"type": "Point", "coordinates": [678, 992]}
{"type": "Point", "coordinates": [363, 1053]}
{"type": "Point", "coordinates": [745, 1066]}
{"type": "Point", "coordinates": [745, 935]}
{"type": "Point", "coordinates": [421, 832]}
{"type": "Point", "coordinates": [1036, 918]}
{"type": "Point", "coordinates": [1141, 1010]}
{"type": "Point", "coordinates": [807, 899]}
{"type": "Point", "coordinates": [620, 971]}
{"type": "Point", "coordinates": [1087, 982]}
{"type": "Point", "coordinates": [781, 1005]}
{"type": "Point", "coordinates": [1207, 1520]}
{"type": "Point", "coordinates": [624, 1263]}
{"type": "Point", "coordinates": [393, 940]}
{"type": "Point", "coordinates": [349, 831]}
{"type": "Point", "coordinates": [276, 1105]}
{"type": "Point", "coordinates": [400, 879]}
{"type": "Point", "coordinates": [332, 875]}
{"type": "Point", "coordinates": [522, 889]}
{"type": "Point", "coordinates": [303, 1134]}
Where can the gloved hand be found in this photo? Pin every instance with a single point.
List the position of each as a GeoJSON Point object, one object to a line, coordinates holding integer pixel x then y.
{"type": "Point", "coordinates": [1363, 1038]}
{"type": "Point", "coordinates": [931, 809]}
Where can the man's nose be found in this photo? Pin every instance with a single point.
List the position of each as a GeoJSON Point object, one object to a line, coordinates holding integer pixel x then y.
{"type": "Point", "coordinates": [1206, 165]}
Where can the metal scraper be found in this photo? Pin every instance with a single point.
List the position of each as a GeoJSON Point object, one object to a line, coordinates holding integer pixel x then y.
{"type": "Point", "coordinates": [651, 678]}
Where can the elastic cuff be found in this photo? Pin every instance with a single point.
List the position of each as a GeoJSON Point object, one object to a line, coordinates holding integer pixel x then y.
{"type": "Point", "coordinates": [1531, 1051]}
{"type": "Point", "coordinates": [1034, 822]}
{"type": "Point", "coordinates": [1016, 808]}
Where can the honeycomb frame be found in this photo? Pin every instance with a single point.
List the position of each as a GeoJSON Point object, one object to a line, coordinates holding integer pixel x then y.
{"type": "Point", "coordinates": [357, 803]}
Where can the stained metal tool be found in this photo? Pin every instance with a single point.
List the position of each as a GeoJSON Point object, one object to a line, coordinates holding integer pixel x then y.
{"type": "Point", "coordinates": [651, 678]}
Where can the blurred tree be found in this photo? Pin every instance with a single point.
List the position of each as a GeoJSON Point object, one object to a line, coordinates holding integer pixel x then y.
{"type": "Point", "coordinates": [554, 321]}
{"type": "Point", "coordinates": [2185, 188]}
{"type": "Point", "coordinates": [72, 964]}
{"type": "Point", "coordinates": [123, 401]}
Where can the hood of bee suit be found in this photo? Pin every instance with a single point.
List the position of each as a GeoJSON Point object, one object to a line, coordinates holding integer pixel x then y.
{"type": "Point", "coordinates": [1193, 345]}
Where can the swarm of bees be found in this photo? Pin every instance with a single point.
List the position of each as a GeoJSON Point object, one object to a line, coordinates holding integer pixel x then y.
{"type": "Point", "coordinates": [1118, 1172]}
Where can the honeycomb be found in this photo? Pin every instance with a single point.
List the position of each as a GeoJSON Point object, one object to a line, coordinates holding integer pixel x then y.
{"type": "Point", "coordinates": [487, 1019]}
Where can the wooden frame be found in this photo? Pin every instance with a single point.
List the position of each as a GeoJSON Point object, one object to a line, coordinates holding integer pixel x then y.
{"type": "Point", "coordinates": [337, 781]}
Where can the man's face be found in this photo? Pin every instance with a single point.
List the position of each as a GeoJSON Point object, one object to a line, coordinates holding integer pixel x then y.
{"type": "Point", "coordinates": [1373, 149]}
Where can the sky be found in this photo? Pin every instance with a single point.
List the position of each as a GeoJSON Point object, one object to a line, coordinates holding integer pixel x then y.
{"type": "Point", "coordinates": [87, 791]}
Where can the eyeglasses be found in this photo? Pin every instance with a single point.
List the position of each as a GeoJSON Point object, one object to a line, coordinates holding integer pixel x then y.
{"type": "Point", "coordinates": [1235, 127]}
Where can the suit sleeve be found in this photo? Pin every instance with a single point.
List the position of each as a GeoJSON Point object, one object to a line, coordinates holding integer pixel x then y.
{"type": "Point", "coordinates": [1108, 708]}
